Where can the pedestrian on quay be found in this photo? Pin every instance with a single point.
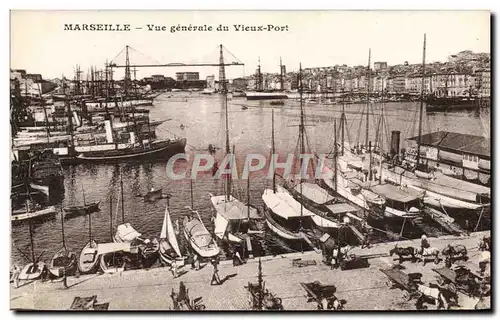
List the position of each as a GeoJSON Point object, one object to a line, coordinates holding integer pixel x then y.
{"type": "Point", "coordinates": [467, 230]}
{"type": "Point", "coordinates": [65, 279]}
{"type": "Point", "coordinates": [215, 276]}
{"type": "Point", "coordinates": [174, 268]}
{"type": "Point", "coordinates": [237, 261]}
{"type": "Point", "coordinates": [424, 243]}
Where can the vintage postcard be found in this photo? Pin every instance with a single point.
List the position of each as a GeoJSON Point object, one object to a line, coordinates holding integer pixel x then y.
{"type": "Point", "coordinates": [250, 160]}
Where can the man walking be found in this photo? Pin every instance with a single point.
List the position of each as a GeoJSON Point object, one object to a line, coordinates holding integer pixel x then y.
{"type": "Point", "coordinates": [215, 276]}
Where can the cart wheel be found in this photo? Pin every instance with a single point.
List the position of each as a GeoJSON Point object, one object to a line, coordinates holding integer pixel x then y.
{"type": "Point", "coordinates": [406, 296]}
{"type": "Point", "coordinates": [466, 258]}
{"type": "Point", "coordinates": [436, 260]}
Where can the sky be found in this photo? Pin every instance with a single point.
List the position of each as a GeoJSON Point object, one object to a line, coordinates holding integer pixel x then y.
{"type": "Point", "coordinates": [39, 43]}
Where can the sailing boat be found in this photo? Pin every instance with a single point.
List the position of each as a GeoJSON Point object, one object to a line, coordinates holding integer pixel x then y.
{"type": "Point", "coordinates": [285, 216]}
{"type": "Point", "coordinates": [35, 269]}
{"type": "Point", "coordinates": [312, 196]}
{"type": "Point", "coordinates": [345, 179]}
{"type": "Point", "coordinates": [197, 235]}
{"type": "Point", "coordinates": [169, 246]}
{"type": "Point", "coordinates": [231, 213]}
{"type": "Point", "coordinates": [125, 233]}
{"type": "Point", "coordinates": [112, 254]}
{"type": "Point", "coordinates": [64, 261]}
{"type": "Point", "coordinates": [260, 94]}
{"type": "Point", "coordinates": [441, 191]}
{"type": "Point", "coordinates": [89, 257]}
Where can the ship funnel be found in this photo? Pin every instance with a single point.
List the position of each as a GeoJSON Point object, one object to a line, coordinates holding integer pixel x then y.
{"type": "Point", "coordinates": [132, 138]}
{"type": "Point", "coordinates": [77, 119]}
{"type": "Point", "coordinates": [395, 142]}
{"type": "Point", "coordinates": [109, 131]}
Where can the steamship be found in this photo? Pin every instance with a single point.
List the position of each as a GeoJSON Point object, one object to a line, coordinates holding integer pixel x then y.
{"type": "Point", "coordinates": [261, 94]}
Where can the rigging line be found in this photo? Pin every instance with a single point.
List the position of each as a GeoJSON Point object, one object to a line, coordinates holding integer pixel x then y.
{"type": "Point", "coordinates": [112, 60]}
{"type": "Point", "coordinates": [238, 60]}
{"type": "Point", "coordinates": [147, 57]}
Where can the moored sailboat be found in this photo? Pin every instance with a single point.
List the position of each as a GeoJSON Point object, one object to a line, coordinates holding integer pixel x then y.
{"type": "Point", "coordinates": [63, 263]}
{"type": "Point", "coordinates": [169, 246]}
{"type": "Point", "coordinates": [198, 237]}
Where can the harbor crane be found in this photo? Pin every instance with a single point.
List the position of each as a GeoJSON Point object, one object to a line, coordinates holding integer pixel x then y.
{"type": "Point", "coordinates": [127, 65]}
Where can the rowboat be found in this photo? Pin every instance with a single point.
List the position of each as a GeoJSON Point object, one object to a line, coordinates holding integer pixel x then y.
{"type": "Point", "coordinates": [24, 214]}
{"type": "Point", "coordinates": [148, 248]}
{"type": "Point", "coordinates": [153, 195]}
{"type": "Point", "coordinates": [89, 258]}
{"type": "Point", "coordinates": [81, 210]}
{"type": "Point", "coordinates": [199, 238]}
{"type": "Point", "coordinates": [112, 256]}
{"type": "Point", "coordinates": [63, 263]}
{"type": "Point", "coordinates": [32, 271]}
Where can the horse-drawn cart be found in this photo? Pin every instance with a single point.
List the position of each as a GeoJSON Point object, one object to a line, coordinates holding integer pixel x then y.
{"type": "Point", "coordinates": [453, 253]}
{"type": "Point", "coordinates": [262, 299]}
{"type": "Point", "coordinates": [406, 282]}
{"type": "Point", "coordinates": [323, 295]}
{"type": "Point", "coordinates": [462, 279]}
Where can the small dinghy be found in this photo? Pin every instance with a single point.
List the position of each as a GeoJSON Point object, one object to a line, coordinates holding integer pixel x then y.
{"type": "Point", "coordinates": [113, 256]}
{"type": "Point", "coordinates": [153, 195]}
{"type": "Point", "coordinates": [199, 238]}
{"type": "Point", "coordinates": [89, 258]}
{"type": "Point", "coordinates": [63, 263]}
{"type": "Point", "coordinates": [24, 214]}
{"type": "Point", "coordinates": [148, 248]}
{"type": "Point", "coordinates": [32, 271]}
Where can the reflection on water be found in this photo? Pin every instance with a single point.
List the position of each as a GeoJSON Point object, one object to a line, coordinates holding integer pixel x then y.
{"type": "Point", "coordinates": [250, 131]}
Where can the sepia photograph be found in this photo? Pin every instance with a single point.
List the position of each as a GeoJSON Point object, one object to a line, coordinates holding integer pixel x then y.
{"type": "Point", "coordinates": [250, 160]}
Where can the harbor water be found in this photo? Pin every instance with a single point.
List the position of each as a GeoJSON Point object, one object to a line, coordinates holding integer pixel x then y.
{"type": "Point", "coordinates": [198, 118]}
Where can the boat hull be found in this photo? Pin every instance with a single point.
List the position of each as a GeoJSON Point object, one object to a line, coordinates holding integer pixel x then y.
{"type": "Point", "coordinates": [32, 271]}
{"type": "Point", "coordinates": [265, 96]}
{"type": "Point", "coordinates": [82, 210]}
{"type": "Point", "coordinates": [159, 151]}
{"type": "Point", "coordinates": [63, 263]}
{"type": "Point", "coordinates": [203, 252]}
{"type": "Point", "coordinates": [278, 229]}
{"type": "Point", "coordinates": [34, 214]}
{"type": "Point", "coordinates": [89, 259]}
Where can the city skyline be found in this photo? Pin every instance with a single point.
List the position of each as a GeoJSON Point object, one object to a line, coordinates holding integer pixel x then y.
{"type": "Point", "coordinates": [313, 39]}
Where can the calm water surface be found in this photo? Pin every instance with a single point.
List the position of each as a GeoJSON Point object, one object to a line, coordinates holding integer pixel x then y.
{"type": "Point", "coordinates": [250, 132]}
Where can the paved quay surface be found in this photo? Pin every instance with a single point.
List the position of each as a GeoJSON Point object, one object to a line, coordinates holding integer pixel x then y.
{"type": "Point", "coordinates": [364, 289]}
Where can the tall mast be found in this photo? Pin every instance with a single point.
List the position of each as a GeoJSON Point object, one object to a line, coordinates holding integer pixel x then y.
{"type": "Point", "coordinates": [191, 191]}
{"type": "Point", "coordinates": [381, 133]}
{"type": "Point", "coordinates": [301, 137]}
{"type": "Point", "coordinates": [368, 96]}
{"type": "Point", "coordinates": [222, 81]}
{"type": "Point", "coordinates": [126, 81]}
{"type": "Point", "coordinates": [259, 78]}
{"type": "Point", "coordinates": [342, 122]}
{"type": "Point", "coordinates": [273, 151]}
{"type": "Point", "coordinates": [62, 229]}
{"type": "Point", "coordinates": [45, 114]}
{"type": "Point", "coordinates": [281, 75]}
{"type": "Point", "coordinates": [70, 123]}
{"type": "Point", "coordinates": [90, 227]}
{"type": "Point", "coordinates": [111, 216]}
{"type": "Point", "coordinates": [31, 236]}
{"type": "Point", "coordinates": [121, 190]}
{"type": "Point", "coordinates": [335, 153]}
{"type": "Point", "coordinates": [421, 104]}
{"type": "Point", "coordinates": [248, 195]}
